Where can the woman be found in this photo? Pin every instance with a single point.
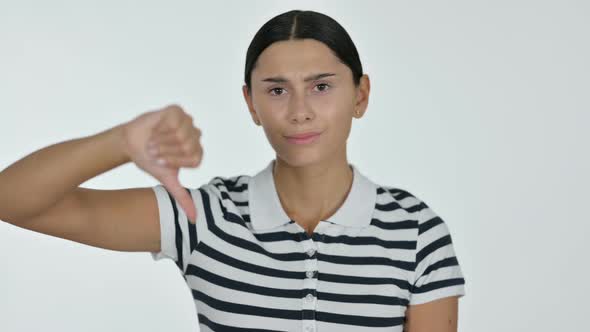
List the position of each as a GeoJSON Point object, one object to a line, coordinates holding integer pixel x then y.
{"type": "Point", "coordinates": [308, 243]}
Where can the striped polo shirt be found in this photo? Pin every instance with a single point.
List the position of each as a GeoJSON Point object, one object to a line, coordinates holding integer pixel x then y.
{"type": "Point", "coordinates": [251, 268]}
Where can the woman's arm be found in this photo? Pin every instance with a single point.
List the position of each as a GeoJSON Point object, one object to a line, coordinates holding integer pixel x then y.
{"type": "Point", "coordinates": [435, 316]}
{"type": "Point", "coordinates": [40, 191]}
{"type": "Point", "coordinates": [39, 180]}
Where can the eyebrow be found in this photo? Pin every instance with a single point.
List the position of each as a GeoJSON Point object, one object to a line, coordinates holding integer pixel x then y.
{"type": "Point", "coordinates": [280, 79]}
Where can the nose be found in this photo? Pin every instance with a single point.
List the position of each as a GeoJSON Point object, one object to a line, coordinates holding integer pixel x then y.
{"type": "Point", "coordinates": [299, 110]}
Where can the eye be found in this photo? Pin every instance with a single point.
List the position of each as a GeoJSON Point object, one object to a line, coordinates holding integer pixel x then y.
{"type": "Point", "coordinates": [274, 89]}
{"type": "Point", "coordinates": [323, 84]}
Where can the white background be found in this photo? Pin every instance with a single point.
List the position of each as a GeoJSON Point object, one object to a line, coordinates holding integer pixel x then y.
{"type": "Point", "coordinates": [481, 108]}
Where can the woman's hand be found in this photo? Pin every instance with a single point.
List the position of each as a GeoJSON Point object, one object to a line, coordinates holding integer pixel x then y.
{"type": "Point", "coordinates": [160, 142]}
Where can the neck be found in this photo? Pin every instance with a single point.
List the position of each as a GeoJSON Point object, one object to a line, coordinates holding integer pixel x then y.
{"type": "Point", "coordinates": [312, 193]}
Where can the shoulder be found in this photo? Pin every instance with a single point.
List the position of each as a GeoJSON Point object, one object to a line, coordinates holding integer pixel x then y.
{"type": "Point", "coordinates": [414, 209]}
{"type": "Point", "coordinates": [229, 183]}
{"type": "Point", "coordinates": [228, 189]}
{"type": "Point", "coordinates": [400, 198]}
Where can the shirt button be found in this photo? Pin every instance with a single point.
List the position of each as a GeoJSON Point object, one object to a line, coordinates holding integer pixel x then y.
{"type": "Point", "coordinates": [309, 274]}
{"type": "Point", "coordinates": [309, 328]}
{"type": "Point", "coordinates": [310, 252]}
{"type": "Point", "coordinates": [309, 298]}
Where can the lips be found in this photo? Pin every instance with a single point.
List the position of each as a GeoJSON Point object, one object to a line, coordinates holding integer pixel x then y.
{"type": "Point", "coordinates": [304, 135]}
{"type": "Point", "coordinates": [304, 138]}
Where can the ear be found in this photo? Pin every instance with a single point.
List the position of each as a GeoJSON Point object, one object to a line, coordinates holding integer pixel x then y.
{"type": "Point", "coordinates": [248, 99]}
{"type": "Point", "coordinates": [362, 95]}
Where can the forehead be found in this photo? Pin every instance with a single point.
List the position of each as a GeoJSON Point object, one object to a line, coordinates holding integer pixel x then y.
{"type": "Point", "coordinates": [296, 58]}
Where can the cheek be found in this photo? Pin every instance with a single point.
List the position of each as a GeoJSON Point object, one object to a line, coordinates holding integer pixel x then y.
{"type": "Point", "coordinates": [341, 132]}
{"type": "Point", "coordinates": [339, 113]}
{"type": "Point", "coordinates": [274, 132]}
{"type": "Point", "coordinates": [341, 122]}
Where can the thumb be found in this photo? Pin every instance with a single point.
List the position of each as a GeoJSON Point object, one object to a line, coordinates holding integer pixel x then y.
{"type": "Point", "coordinates": [183, 197]}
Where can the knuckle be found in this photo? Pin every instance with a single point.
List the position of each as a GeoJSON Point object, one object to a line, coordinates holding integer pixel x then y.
{"type": "Point", "coordinates": [173, 118]}
{"type": "Point", "coordinates": [180, 135]}
{"type": "Point", "coordinates": [175, 123]}
{"type": "Point", "coordinates": [174, 107]}
{"type": "Point", "coordinates": [165, 125]}
{"type": "Point", "coordinates": [186, 147]}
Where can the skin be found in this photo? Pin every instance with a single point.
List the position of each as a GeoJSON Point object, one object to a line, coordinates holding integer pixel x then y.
{"type": "Point", "coordinates": [435, 316]}
{"type": "Point", "coordinates": [313, 180]}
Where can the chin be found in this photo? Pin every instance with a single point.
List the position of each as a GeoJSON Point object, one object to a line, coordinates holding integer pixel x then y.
{"type": "Point", "coordinates": [300, 158]}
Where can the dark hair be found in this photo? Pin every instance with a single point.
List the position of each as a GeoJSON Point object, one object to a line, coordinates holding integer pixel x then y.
{"type": "Point", "coordinates": [301, 24]}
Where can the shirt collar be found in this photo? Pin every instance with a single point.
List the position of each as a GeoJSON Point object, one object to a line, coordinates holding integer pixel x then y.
{"type": "Point", "coordinates": [267, 212]}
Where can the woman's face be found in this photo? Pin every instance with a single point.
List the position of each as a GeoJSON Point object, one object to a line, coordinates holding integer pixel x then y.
{"type": "Point", "coordinates": [286, 99]}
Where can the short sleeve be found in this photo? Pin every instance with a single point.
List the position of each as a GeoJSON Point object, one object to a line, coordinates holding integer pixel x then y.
{"type": "Point", "coordinates": [178, 236]}
{"type": "Point", "coordinates": [437, 271]}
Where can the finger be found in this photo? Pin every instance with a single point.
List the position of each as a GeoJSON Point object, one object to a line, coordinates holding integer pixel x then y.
{"type": "Point", "coordinates": [173, 136]}
{"type": "Point", "coordinates": [171, 124]}
{"type": "Point", "coordinates": [174, 150]}
{"type": "Point", "coordinates": [160, 125]}
{"type": "Point", "coordinates": [183, 198]}
{"type": "Point", "coordinates": [165, 138]}
{"type": "Point", "coordinates": [163, 151]}
{"type": "Point", "coordinates": [162, 128]}
{"type": "Point", "coordinates": [178, 162]}
{"type": "Point", "coordinates": [167, 124]}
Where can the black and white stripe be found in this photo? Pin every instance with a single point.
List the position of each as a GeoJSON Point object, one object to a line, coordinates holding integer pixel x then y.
{"type": "Point", "coordinates": [364, 278]}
